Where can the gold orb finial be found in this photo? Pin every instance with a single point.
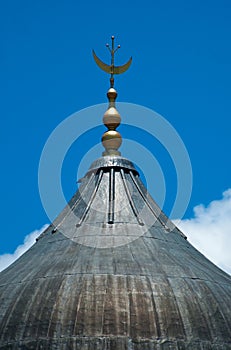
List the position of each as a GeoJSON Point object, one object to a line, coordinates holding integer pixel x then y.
{"type": "Point", "coordinates": [111, 139]}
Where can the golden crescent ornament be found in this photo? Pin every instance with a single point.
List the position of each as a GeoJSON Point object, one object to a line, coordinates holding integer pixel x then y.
{"type": "Point", "coordinates": [111, 69]}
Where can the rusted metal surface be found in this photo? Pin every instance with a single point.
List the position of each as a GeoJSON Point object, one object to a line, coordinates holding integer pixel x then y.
{"type": "Point", "coordinates": [99, 285]}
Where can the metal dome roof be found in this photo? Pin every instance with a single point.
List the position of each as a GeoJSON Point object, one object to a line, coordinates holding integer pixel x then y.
{"type": "Point", "coordinates": [112, 272]}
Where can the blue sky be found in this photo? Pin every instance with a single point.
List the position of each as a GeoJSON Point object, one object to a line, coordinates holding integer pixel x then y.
{"type": "Point", "coordinates": [181, 69]}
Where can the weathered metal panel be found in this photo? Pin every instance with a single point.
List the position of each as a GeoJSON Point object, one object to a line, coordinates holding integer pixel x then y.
{"type": "Point", "coordinates": [88, 284]}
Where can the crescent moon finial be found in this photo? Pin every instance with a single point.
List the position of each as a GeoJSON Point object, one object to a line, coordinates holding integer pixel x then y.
{"type": "Point", "coordinates": [112, 69]}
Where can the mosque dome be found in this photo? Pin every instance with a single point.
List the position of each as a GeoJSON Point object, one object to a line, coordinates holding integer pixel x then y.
{"type": "Point", "coordinates": [113, 272]}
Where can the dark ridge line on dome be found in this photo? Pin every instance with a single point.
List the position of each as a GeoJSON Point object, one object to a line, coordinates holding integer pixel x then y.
{"type": "Point", "coordinates": [91, 198]}
{"type": "Point", "coordinates": [111, 209]}
{"type": "Point", "coordinates": [103, 317]}
{"type": "Point", "coordinates": [117, 275]}
{"type": "Point", "coordinates": [74, 205]}
{"type": "Point", "coordinates": [56, 227]}
{"type": "Point", "coordinates": [176, 303]}
{"type": "Point", "coordinates": [146, 201]}
{"type": "Point", "coordinates": [204, 319]}
{"type": "Point", "coordinates": [83, 191]}
{"type": "Point", "coordinates": [150, 207]}
{"type": "Point", "coordinates": [131, 202]}
{"type": "Point", "coordinates": [43, 233]}
{"type": "Point", "coordinates": [154, 306]}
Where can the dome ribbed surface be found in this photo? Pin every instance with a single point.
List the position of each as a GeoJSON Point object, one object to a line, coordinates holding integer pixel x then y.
{"type": "Point", "coordinates": [112, 272]}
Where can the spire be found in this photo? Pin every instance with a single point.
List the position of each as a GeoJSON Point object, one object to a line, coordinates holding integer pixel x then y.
{"type": "Point", "coordinates": [112, 139]}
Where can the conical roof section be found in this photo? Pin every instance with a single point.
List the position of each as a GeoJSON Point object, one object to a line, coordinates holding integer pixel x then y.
{"type": "Point", "coordinates": [121, 278]}
{"type": "Point", "coordinates": [113, 272]}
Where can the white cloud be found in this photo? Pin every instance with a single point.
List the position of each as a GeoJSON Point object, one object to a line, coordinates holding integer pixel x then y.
{"type": "Point", "coordinates": [210, 230]}
{"type": "Point", "coordinates": [29, 240]}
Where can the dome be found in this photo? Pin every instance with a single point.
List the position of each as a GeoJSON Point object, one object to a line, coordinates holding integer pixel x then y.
{"type": "Point", "coordinates": [113, 272]}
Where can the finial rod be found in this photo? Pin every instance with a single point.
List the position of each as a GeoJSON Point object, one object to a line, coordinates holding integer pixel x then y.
{"type": "Point", "coordinates": [112, 51]}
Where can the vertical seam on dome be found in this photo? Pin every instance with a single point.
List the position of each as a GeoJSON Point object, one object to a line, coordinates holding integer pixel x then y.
{"type": "Point", "coordinates": [111, 209]}
{"type": "Point", "coordinates": [75, 204]}
{"type": "Point", "coordinates": [131, 202]}
{"type": "Point", "coordinates": [158, 330]}
{"type": "Point", "coordinates": [91, 199]}
{"type": "Point", "coordinates": [146, 200]}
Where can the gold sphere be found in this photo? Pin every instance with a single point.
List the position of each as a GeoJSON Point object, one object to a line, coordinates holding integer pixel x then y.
{"type": "Point", "coordinates": [111, 118]}
{"type": "Point", "coordinates": [111, 94]}
{"type": "Point", "coordinates": [111, 140]}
